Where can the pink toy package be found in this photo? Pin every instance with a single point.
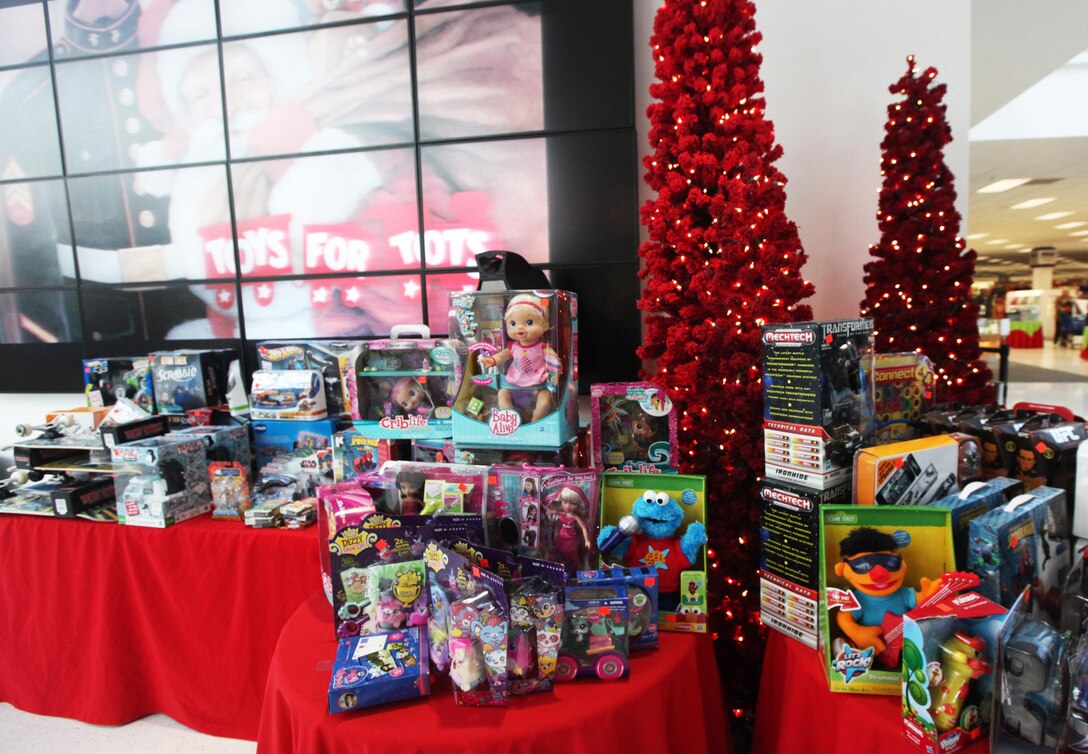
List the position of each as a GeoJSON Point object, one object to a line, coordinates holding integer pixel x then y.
{"type": "Point", "coordinates": [634, 428]}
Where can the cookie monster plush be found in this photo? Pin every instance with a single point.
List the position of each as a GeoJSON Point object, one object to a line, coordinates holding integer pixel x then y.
{"type": "Point", "coordinates": [657, 543]}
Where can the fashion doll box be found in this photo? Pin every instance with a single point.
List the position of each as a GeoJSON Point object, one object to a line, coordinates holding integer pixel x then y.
{"type": "Point", "coordinates": [817, 399]}
{"type": "Point", "coordinates": [165, 482]}
{"type": "Point", "coordinates": [789, 556]}
{"type": "Point", "coordinates": [401, 387]}
{"type": "Point", "coordinates": [876, 564]}
{"type": "Point", "coordinates": [378, 669]}
{"type": "Point", "coordinates": [520, 384]}
{"type": "Point", "coordinates": [914, 472]}
{"type": "Point", "coordinates": [949, 656]}
{"type": "Point", "coordinates": [634, 427]}
{"type": "Point", "coordinates": [670, 537]}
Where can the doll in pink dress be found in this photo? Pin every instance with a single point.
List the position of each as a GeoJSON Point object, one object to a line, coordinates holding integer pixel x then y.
{"type": "Point", "coordinates": [534, 365]}
{"type": "Point", "coordinates": [569, 542]}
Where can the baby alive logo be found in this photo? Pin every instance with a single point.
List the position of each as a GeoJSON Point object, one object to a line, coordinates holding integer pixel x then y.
{"type": "Point", "coordinates": [504, 421]}
{"type": "Point", "coordinates": [851, 663]}
{"type": "Point", "coordinates": [402, 422]}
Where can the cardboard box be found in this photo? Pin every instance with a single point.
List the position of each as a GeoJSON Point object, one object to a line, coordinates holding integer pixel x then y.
{"type": "Point", "coordinates": [641, 584]}
{"type": "Point", "coordinates": [903, 389]}
{"type": "Point", "coordinates": [873, 560]}
{"type": "Point", "coordinates": [75, 497]}
{"type": "Point", "coordinates": [330, 358]}
{"type": "Point", "coordinates": [106, 380]}
{"type": "Point", "coordinates": [907, 473]}
{"type": "Point", "coordinates": [976, 499]}
{"type": "Point", "coordinates": [817, 399]}
{"type": "Point", "coordinates": [379, 669]}
{"type": "Point", "coordinates": [633, 428]}
{"type": "Point", "coordinates": [789, 564]}
{"type": "Point", "coordinates": [185, 380]}
{"type": "Point", "coordinates": [171, 484]}
{"type": "Point", "coordinates": [297, 395]}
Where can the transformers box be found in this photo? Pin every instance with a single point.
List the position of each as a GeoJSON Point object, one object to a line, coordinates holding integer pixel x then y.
{"type": "Point", "coordinates": [817, 399]}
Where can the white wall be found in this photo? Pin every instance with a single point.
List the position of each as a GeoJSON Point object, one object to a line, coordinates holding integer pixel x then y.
{"type": "Point", "coordinates": [827, 67]}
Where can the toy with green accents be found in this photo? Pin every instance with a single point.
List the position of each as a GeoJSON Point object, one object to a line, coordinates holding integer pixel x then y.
{"type": "Point", "coordinates": [876, 564]}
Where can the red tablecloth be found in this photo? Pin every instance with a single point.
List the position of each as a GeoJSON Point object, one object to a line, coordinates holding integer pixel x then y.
{"type": "Point", "coordinates": [671, 702]}
{"type": "Point", "coordinates": [797, 713]}
{"type": "Point", "coordinates": [107, 623]}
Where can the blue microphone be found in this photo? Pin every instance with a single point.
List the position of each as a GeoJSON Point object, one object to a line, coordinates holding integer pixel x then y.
{"type": "Point", "coordinates": [626, 528]}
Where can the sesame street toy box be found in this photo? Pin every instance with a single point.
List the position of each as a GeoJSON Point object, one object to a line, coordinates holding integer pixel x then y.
{"type": "Point", "coordinates": [520, 384]}
{"type": "Point", "coordinates": [876, 564]}
{"type": "Point", "coordinates": [817, 399]}
{"type": "Point", "coordinates": [657, 520]}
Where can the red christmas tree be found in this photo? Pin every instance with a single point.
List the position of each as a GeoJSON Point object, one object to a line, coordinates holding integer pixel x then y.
{"type": "Point", "coordinates": [721, 260]}
{"type": "Point", "coordinates": [919, 282]}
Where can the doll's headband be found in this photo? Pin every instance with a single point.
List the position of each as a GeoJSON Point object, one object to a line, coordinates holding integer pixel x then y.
{"type": "Point", "coordinates": [524, 299]}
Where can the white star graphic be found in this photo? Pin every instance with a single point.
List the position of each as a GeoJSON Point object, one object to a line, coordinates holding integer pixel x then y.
{"type": "Point", "coordinates": [320, 295]}
{"type": "Point", "coordinates": [264, 292]}
{"type": "Point", "coordinates": [351, 295]}
{"type": "Point", "coordinates": [225, 297]}
{"type": "Point", "coordinates": [411, 288]}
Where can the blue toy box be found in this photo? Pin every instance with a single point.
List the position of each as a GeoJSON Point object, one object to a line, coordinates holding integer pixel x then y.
{"type": "Point", "coordinates": [976, 499]}
{"type": "Point", "coordinates": [378, 669]}
{"type": "Point", "coordinates": [641, 586]}
{"type": "Point", "coordinates": [278, 437]}
{"type": "Point", "coordinates": [520, 383]}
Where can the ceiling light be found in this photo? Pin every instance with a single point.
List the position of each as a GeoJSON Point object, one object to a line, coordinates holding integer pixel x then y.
{"type": "Point", "coordinates": [1003, 185]}
{"type": "Point", "coordinates": [1025, 250]}
{"type": "Point", "coordinates": [1066, 226]}
{"type": "Point", "coordinates": [1080, 233]}
{"type": "Point", "coordinates": [976, 236]}
{"type": "Point", "coordinates": [1033, 203]}
{"type": "Point", "coordinates": [1015, 247]}
{"type": "Point", "coordinates": [997, 242]}
{"type": "Point", "coordinates": [1053, 215]}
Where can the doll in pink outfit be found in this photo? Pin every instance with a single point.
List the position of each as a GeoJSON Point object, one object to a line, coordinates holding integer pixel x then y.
{"type": "Point", "coordinates": [569, 542]}
{"type": "Point", "coordinates": [533, 364]}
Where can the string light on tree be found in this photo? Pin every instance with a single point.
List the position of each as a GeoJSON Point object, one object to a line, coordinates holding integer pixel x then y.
{"type": "Point", "coordinates": [921, 301]}
{"type": "Point", "coordinates": [721, 258]}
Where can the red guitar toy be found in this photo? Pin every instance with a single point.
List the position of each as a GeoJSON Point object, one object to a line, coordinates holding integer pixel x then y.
{"type": "Point", "coordinates": [950, 583]}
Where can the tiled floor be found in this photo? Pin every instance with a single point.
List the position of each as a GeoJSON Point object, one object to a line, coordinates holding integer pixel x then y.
{"type": "Point", "coordinates": [22, 733]}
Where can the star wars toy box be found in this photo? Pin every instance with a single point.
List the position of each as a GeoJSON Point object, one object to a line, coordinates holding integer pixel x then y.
{"type": "Point", "coordinates": [105, 380]}
{"type": "Point", "coordinates": [327, 357]}
{"type": "Point", "coordinates": [297, 395]}
{"type": "Point", "coordinates": [165, 481]}
{"type": "Point", "coordinates": [379, 669]}
{"type": "Point", "coordinates": [401, 387]}
{"type": "Point", "coordinates": [189, 379]}
{"type": "Point", "coordinates": [817, 399]}
{"type": "Point", "coordinates": [520, 383]}
{"type": "Point", "coordinates": [277, 438]}
{"type": "Point", "coordinates": [658, 521]}
{"type": "Point", "coordinates": [789, 562]}
{"type": "Point", "coordinates": [914, 472]}
{"type": "Point", "coordinates": [902, 392]}
{"type": "Point", "coordinates": [633, 427]}
{"type": "Point", "coordinates": [876, 564]}
{"type": "Point", "coordinates": [949, 656]}
{"type": "Point", "coordinates": [641, 586]}
{"type": "Point", "coordinates": [1023, 543]}
{"type": "Point", "coordinates": [976, 499]}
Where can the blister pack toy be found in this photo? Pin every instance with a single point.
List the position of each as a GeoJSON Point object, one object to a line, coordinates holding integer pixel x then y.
{"type": "Point", "coordinates": [634, 427]}
{"type": "Point", "coordinates": [229, 482]}
{"type": "Point", "coordinates": [641, 586]}
{"type": "Point", "coordinates": [974, 500]}
{"type": "Point", "coordinates": [594, 637]}
{"type": "Point", "coordinates": [402, 387]}
{"type": "Point", "coordinates": [902, 391]}
{"type": "Point", "coordinates": [536, 620]}
{"type": "Point", "coordinates": [520, 384]}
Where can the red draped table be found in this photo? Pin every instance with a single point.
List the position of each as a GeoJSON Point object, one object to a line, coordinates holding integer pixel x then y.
{"type": "Point", "coordinates": [671, 702]}
{"type": "Point", "coordinates": [797, 713]}
{"type": "Point", "coordinates": [107, 623]}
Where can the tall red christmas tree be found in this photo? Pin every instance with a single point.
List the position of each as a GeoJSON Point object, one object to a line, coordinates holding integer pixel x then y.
{"type": "Point", "coordinates": [919, 282]}
{"type": "Point", "coordinates": [721, 260]}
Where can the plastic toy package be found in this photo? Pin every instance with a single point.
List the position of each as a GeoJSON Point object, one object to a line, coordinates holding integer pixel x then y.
{"type": "Point", "coordinates": [468, 628]}
{"type": "Point", "coordinates": [355, 454]}
{"type": "Point", "coordinates": [913, 472]}
{"type": "Point", "coordinates": [536, 620]}
{"type": "Point", "coordinates": [902, 391]}
{"type": "Point", "coordinates": [634, 427]}
{"type": "Point", "coordinates": [108, 379]}
{"type": "Point", "coordinates": [949, 654]}
{"type": "Point", "coordinates": [657, 520]}
{"type": "Point", "coordinates": [401, 387]}
{"type": "Point", "coordinates": [520, 383]}
{"type": "Point", "coordinates": [170, 483]}
{"type": "Point", "coordinates": [641, 584]}
{"type": "Point", "coordinates": [976, 499]}
{"type": "Point", "coordinates": [229, 482]}
{"type": "Point", "coordinates": [325, 357]}
{"type": "Point", "coordinates": [289, 394]}
{"type": "Point", "coordinates": [378, 669]}
{"type": "Point", "coordinates": [594, 639]}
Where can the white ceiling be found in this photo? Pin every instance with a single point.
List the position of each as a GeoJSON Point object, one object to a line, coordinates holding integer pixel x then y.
{"type": "Point", "coordinates": [1015, 45]}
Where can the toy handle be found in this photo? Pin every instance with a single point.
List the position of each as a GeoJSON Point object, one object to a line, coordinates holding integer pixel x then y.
{"type": "Point", "coordinates": [418, 331]}
{"type": "Point", "coordinates": [1045, 408]}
